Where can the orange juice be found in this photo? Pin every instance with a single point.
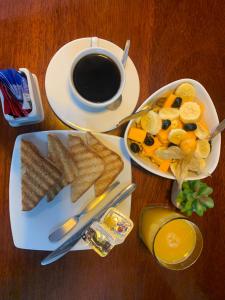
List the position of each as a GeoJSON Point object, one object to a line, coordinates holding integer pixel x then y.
{"type": "Point", "coordinates": [151, 221]}
{"type": "Point", "coordinates": [175, 241]}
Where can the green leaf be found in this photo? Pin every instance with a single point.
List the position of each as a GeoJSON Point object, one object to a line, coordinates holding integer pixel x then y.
{"type": "Point", "coordinates": [186, 193]}
{"type": "Point", "coordinates": [190, 197]}
{"type": "Point", "coordinates": [197, 185]}
{"type": "Point", "coordinates": [180, 194]}
{"type": "Point", "coordinates": [199, 210]}
{"type": "Point", "coordinates": [188, 205]}
{"type": "Point", "coordinates": [208, 202]}
{"type": "Point", "coordinates": [192, 184]}
{"type": "Point", "coordinates": [206, 191]}
{"type": "Point", "coordinates": [189, 213]}
{"type": "Point", "coordinates": [185, 185]}
{"type": "Point", "coordinates": [179, 201]}
{"type": "Point", "coordinates": [182, 210]}
{"type": "Point", "coordinates": [180, 197]}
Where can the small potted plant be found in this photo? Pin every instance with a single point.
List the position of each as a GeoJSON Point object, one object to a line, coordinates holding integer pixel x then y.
{"type": "Point", "coordinates": [194, 196]}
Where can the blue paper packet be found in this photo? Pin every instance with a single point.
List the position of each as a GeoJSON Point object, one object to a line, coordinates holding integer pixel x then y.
{"type": "Point", "coordinates": [15, 93]}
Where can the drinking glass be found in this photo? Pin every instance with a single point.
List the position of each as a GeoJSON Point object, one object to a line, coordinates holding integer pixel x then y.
{"type": "Point", "coordinates": [174, 241]}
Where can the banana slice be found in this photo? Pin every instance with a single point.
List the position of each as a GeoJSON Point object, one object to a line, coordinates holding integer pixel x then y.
{"type": "Point", "coordinates": [197, 165]}
{"type": "Point", "coordinates": [176, 136]}
{"type": "Point", "coordinates": [190, 112]}
{"type": "Point", "coordinates": [202, 131]}
{"type": "Point", "coordinates": [169, 113]}
{"type": "Point", "coordinates": [186, 91]}
{"type": "Point", "coordinates": [151, 122]}
{"type": "Point", "coordinates": [202, 149]}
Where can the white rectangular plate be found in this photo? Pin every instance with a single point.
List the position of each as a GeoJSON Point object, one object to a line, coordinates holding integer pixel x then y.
{"type": "Point", "coordinates": [31, 229]}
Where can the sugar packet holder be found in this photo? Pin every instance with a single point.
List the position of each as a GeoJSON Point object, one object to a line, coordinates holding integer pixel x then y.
{"type": "Point", "coordinates": [37, 113]}
{"type": "Point", "coordinates": [112, 230]}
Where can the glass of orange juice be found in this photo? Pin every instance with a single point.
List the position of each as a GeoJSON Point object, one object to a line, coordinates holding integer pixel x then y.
{"type": "Point", "coordinates": [174, 241]}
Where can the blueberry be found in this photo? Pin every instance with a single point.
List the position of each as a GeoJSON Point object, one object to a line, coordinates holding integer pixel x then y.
{"type": "Point", "coordinates": [135, 147]}
{"type": "Point", "coordinates": [177, 102]}
{"type": "Point", "coordinates": [149, 141]}
{"type": "Point", "coordinates": [190, 126]}
{"type": "Point", "coordinates": [166, 124]}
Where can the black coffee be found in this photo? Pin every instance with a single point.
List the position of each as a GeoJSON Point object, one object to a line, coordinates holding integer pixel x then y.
{"type": "Point", "coordinates": [96, 78]}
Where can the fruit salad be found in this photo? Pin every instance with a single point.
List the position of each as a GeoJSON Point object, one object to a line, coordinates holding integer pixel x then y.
{"type": "Point", "coordinates": [173, 135]}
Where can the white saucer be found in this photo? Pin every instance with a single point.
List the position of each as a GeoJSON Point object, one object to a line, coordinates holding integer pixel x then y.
{"type": "Point", "coordinates": [68, 108]}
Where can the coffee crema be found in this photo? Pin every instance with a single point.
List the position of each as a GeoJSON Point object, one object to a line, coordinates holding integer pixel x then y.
{"type": "Point", "coordinates": [96, 78]}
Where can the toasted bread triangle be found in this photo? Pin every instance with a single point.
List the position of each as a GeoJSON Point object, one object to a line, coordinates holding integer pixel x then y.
{"type": "Point", "coordinates": [90, 166]}
{"type": "Point", "coordinates": [63, 160]}
{"type": "Point", "coordinates": [113, 163]}
{"type": "Point", "coordinates": [39, 175]}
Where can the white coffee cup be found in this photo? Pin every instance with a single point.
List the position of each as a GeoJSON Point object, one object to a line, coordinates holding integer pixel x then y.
{"type": "Point", "coordinates": [94, 49]}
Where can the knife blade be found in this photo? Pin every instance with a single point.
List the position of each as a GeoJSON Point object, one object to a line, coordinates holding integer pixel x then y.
{"type": "Point", "coordinates": [73, 240]}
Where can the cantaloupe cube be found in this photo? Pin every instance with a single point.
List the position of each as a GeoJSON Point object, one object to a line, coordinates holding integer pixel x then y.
{"type": "Point", "coordinates": [149, 150]}
{"type": "Point", "coordinates": [190, 135]}
{"type": "Point", "coordinates": [137, 134]}
{"type": "Point", "coordinates": [188, 145]}
{"type": "Point", "coordinates": [164, 166]}
{"type": "Point", "coordinates": [163, 136]}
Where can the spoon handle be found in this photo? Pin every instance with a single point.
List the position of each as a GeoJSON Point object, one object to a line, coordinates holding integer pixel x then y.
{"type": "Point", "coordinates": [218, 129]}
{"type": "Point", "coordinates": [125, 53]}
{"type": "Point", "coordinates": [138, 114]}
{"type": "Point", "coordinates": [133, 116]}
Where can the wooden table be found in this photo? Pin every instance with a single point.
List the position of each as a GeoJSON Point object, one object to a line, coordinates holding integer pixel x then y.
{"type": "Point", "coordinates": [169, 40]}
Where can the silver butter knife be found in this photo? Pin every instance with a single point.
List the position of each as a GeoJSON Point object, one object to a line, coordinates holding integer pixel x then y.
{"type": "Point", "coordinates": [73, 240]}
{"type": "Point", "coordinates": [69, 224]}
